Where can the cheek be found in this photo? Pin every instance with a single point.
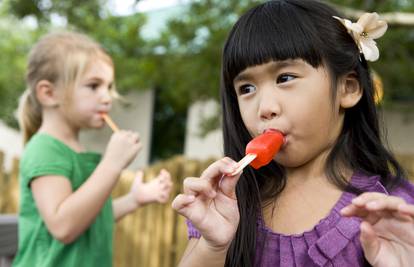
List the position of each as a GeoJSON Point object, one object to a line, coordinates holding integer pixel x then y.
{"type": "Point", "coordinates": [248, 116]}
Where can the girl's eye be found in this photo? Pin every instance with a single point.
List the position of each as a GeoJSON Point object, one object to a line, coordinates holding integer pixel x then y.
{"type": "Point", "coordinates": [285, 78]}
{"type": "Point", "coordinates": [93, 86]}
{"type": "Point", "coordinates": [246, 89]}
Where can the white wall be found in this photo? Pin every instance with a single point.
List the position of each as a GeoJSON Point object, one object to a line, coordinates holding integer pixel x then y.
{"type": "Point", "coordinates": [400, 128]}
{"type": "Point", "coordinates": [11, 143]}
{"type": "Point", "coordinates": [197, 147]}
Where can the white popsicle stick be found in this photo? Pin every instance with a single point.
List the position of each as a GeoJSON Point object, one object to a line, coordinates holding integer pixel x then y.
{"type": "Point", "coordinates": [243, 163]}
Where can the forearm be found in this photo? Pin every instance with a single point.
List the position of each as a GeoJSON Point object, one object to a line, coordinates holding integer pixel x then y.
{"type": "Point", "coordinates": [200, 254]}
{"type": "Point", "coordinates": [76, 212]}
{"type": "Point", "coordinates": [123, 205]}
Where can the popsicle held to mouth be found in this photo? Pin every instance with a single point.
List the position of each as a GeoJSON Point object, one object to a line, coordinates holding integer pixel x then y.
{"type": "Point", "coordinates": [261, 150]}
{"type": "Point", "coordinates": [110, 122]}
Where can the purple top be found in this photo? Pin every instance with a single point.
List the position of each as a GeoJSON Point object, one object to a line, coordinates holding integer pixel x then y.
{"type": "Point", "coordinates": [334, 241]}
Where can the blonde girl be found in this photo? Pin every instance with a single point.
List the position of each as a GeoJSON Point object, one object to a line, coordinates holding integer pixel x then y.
{"type": "Point", "coordinates": [66, 212]}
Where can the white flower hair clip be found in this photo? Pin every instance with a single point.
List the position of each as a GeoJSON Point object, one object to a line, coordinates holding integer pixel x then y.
{"type": "Point", "coordinates": [364, 31]}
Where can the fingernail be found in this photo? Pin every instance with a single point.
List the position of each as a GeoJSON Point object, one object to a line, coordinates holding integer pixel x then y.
{"type": "Point", "coordinates": [344, 210]}
{"type": "Point", "coordinates": [191, 198]}
{"type": "Point", "coordinates": [356, 201]}
{"type": "Point", "coordinates": [372, 204]}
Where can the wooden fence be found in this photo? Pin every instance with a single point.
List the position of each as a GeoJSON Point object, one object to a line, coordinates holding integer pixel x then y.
{"type": "Point", "coordinates": [153, 236]}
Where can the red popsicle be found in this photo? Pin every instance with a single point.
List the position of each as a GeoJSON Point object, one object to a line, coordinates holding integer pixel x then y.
{"type": "Point", "coordinates": [265, 147]}
{"type": "Point", "coordinates": [261, 150]}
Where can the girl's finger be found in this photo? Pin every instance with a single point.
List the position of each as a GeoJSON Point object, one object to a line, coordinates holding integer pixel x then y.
{"type": "Point", "coordinates": [163, 198]}
{"type": "Point", "coordinates": [194, 186]}
{"type": "Point", "coordinates": [364, 198]}
{"type": "Point", "coordinates": [181, 201]}
{"type": "Point", "coordinates": [216, 170]}
{"type": "Point", "coordinates": [369, 241]}
{"type": "Point", "coordinates": [367, 215]}
{"type": "Point", "coordinates": [138, 180]}
{"type": "Point", "coordinates": [390, 203]}
{"type": "Point", "coordinates": [353, 210]}
{"type": "Point", "coordinates": [406, 209]}
{"type": "Point", "coordinates": [228, 185]}
{"type": "Point", "coordinates": [166, 187]}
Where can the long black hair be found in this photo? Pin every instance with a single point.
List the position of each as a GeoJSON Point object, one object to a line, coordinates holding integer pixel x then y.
{"type": "Point", "coordinates": [297, 29]}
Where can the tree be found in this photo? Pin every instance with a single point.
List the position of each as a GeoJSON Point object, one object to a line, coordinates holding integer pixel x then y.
{"type": "Point", "coordinates": [183, 64]}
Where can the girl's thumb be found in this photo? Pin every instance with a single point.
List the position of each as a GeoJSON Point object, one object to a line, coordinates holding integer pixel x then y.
{"type": "Point", "coordinates": [369, 241]}
{"type": "Point", "coordinates": [228, 184]}
{"type": "Point", "coordinates": [139, 176]}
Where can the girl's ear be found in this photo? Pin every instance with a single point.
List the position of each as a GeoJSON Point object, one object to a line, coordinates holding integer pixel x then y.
{"type": "Point", "coordinates": [350, 91]}
{"type": "Point", "coordinates": [46, 94]}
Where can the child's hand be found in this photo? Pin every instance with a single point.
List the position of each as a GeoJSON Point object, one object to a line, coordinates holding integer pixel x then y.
{"type": "Point", "coordinates": [387, 229]}
{"type": "Point", "coordinates": [156, 190]}
{"type": "Point", "coordinates": [210, 203]}
{"type": "Point", "coordinates": [122, 149]}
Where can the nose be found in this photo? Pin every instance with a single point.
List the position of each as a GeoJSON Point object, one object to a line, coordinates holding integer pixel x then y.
{"type": "Point", "coordinates": [106, 97]}
{"type": "Point", "coordinates": [269, 106]}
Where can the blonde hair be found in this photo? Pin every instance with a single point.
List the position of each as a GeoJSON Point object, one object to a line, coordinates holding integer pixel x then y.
{"type": "Point", "coordinates": [60, 58]}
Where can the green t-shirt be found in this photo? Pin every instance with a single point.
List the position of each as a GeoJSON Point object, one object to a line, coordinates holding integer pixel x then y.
{"type": "Point", "coordinates": [45, 155]}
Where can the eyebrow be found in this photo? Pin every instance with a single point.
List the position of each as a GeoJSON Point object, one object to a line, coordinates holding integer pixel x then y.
{"type": "Point", "coordinates": [274, 66]}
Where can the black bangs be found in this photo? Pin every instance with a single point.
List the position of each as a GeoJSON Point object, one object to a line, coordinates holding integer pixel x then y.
{"type": "Point", "coordinates": [262, 35]}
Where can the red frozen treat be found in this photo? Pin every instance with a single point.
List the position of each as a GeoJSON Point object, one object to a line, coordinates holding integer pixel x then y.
{"type": "Point", "coordinates": [265, 147]}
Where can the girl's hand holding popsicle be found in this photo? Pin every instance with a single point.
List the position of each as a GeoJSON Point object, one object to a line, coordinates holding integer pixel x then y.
{"type": "Point", "coordinates": [122, 147]}
{"type": "Point", "coordinates": [210, 201]}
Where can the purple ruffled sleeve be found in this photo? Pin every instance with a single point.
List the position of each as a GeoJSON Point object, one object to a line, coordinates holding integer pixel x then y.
{"type": "Point", "coordinates": [192, 231]}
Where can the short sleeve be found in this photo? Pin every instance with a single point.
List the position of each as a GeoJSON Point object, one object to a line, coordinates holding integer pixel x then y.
{"type": "Point", "coordinates": [192, 231]}
{"type": "Point", "coordinates": [44, 156]}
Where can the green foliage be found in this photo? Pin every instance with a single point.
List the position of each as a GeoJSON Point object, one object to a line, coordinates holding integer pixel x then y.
{"type": "Point", "coordinates": [193, 42]}
{"type": "Point", "coordinates": [377, 5]}
{"type": "Point", "coordinates": [14, 44]}
{"type": "Point", "coordinates": [183, 63]}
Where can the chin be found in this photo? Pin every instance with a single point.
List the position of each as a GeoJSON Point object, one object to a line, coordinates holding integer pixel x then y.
{"type": "Point", "coordinates": [96, 126]}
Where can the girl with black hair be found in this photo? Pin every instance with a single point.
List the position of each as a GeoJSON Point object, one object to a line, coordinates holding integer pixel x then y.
{"type": "Point", "coordinates": [333, 195]}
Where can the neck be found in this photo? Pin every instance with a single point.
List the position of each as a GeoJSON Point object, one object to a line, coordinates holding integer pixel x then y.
{"type": "Point", "coordinates": [312, 172]}
{"type": "Point", "coordinates": [58, 126]}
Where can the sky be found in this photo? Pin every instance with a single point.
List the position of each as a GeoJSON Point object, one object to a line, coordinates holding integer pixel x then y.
{"type": "Point", "coordinates": [126, 7]}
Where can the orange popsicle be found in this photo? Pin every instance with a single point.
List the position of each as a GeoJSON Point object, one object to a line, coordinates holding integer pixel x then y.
{"type": "Point", "coordinates": [261, 150]}
{"type": "Point", "coordinates": [110, 122]}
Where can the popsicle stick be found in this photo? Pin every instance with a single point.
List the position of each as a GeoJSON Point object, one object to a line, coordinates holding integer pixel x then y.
{"type": "Point", "coordinates": [110, 122]}
{"type": "Point", "coordinates": [243, 163]}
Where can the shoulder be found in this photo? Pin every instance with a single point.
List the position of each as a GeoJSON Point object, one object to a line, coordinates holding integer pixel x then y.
{"type": "Point", "coordinates": [43, 145]}
{"type": "Point", "coordinates": [43, 155]}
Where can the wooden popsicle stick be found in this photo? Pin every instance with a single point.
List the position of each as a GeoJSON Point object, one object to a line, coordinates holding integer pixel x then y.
{"type": "Point", "coordinates": [110, 122]}
{"type": "Point", "coordinates": [243, 163]}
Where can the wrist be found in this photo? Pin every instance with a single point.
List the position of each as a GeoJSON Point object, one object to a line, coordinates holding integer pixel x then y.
{"type": "Point", "coordinates": [109, 167]}
{"type": "Point", "coordinates": [132, 201]}
{"type": "Point", "coordinates": [214, 248]}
